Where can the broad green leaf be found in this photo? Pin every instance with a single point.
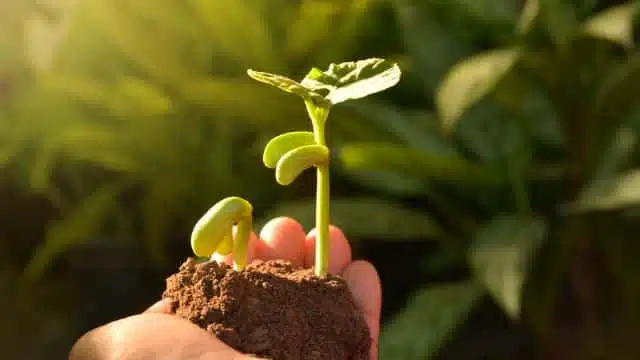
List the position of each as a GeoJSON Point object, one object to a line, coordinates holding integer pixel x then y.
{"type": "Point", "coordinates": [354, 79]}
{"type": "Point", "coordinates": [501, 255]}
{"type": "Point", "coordinates": [77, 226]}
{"type": "Point", "coordinates": [619, 192]}
{"type": "Point", "coordinates": [354, 216]}
{"type": "Point", "coordinates": [614, 24]}
{"type": "Point", "coordinates": [406, 160]}
{"type": "Point", "coordinates": [471, 80]}
{"type": "Point", "coordinates": [429, 320]}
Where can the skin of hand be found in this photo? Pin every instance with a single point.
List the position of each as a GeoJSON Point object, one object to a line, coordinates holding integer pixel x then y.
{"type": "Point", "coordinates": [156, 334]}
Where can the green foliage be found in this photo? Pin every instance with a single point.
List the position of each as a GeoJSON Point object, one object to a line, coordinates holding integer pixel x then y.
{"type": "Point", "coordinates": [542, 127]}
{"type": "Point", "coordinates": [437, 310]}
{"type": "Point", "coordinates": [539, 107]}
{"type": "Point", "coordinates": [501, 255]}
{"type": "Point", "coordinates": [154, 95]}
{"type": "Point", "coordinates": [457, 93]}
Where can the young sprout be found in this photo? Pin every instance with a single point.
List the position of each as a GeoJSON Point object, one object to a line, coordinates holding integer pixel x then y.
{"type": "Point", "coordinates": [292, 153]}
{"type": "Point", "coordinates": [213, 233]}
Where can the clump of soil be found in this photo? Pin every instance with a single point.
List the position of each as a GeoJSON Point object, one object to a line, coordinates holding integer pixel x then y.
{"type": "Point", "coordinates": [271, 309]}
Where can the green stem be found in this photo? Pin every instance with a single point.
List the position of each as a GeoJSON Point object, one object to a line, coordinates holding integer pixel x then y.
{"type": "Point", "coordinates": [323, 196]}
{"type": "Point", "coordinates": [322, 221]}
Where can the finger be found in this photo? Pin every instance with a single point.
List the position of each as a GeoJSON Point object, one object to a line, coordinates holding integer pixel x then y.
{"type": "Point", "coordinates": [151, 336]}
{"type": "Point", "coordinates": [161, 307]}
{"type": "Point", "coordinates": [364, 283]}
{"type": "Point", "coordinates": [251, 252]}
{"type": "Point", "coordinates": [339, 250]}
{"type": "Point", "coordinates": [282, 238]}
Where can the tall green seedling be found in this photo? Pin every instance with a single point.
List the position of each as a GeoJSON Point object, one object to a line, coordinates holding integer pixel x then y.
{"type": "Point", "coordinates": [293, 152]}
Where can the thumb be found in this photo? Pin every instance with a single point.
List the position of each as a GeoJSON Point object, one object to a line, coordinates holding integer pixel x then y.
{"type": "Point", "coordinates": [152, 336]}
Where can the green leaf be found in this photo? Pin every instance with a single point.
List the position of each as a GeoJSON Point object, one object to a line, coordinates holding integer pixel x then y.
{"type": "Point", "coordinates": [528, 16]}
{"type": "Point", "coordinates": [619, 192]}
{"type": "Point", "coordinates": [405, 160]}
{"type": "Point", "coordinates": [354, 216]}
{"type": "Point", "coordinates": [354, 79]}
{"type": "Point", "coordinates": [501, 255]}
{"type": "Point", "coordinates": [428, 321]}
{"type": "Point", "coordinates": [612, 158]}
{"type": "Point", "coordinates": [285, 84]}
{"type": "Point", "coordinates": [470, 81]}
{"type": "Point", "coordinates": [76, 227]}
{"type": "Point", "coordinates": [341, 82]}
{"type": "Point", "coordinates": [614, 24]}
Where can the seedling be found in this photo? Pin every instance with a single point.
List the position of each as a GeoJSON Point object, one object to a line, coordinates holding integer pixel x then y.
{"type": "Point", "coordinates": [294, 152]}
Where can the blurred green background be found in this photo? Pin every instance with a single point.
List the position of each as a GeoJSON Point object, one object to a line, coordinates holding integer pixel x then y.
{"type": "Point", "coordinates": [496, 188]}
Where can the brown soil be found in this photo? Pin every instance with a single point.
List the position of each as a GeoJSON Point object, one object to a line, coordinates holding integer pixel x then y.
{"type": "Point", "coordinates": [271, 309]}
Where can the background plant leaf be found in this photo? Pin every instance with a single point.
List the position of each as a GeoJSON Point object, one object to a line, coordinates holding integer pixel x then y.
{"type": "Point", "coordinates": [618, 192]}
{"type": "Point", "coordinates": [471, 80]}
{"type": "Point", "coordinates": [614, 24]}
{"type": "Point", "coordinates": [428, 321]}
{"type": "Point", "coordinates": [501, 254]}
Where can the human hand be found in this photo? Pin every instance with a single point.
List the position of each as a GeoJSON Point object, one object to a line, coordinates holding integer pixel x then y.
{"type": "Point", "coordinates": [155, 334]}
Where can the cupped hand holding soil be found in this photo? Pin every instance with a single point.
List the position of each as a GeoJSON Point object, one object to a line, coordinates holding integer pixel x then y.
{"type": "Point", "coordinates": [156, 334]}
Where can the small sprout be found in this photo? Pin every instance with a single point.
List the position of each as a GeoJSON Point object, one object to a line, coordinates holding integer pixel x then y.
{"type": "Point", "coordinates": [213, 233]}
{"type": "Point", "coordinates": [294, 152]}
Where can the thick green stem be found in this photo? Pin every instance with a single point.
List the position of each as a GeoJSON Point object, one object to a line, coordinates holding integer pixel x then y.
{"type": "Point", "coordinates": [323, 196]}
